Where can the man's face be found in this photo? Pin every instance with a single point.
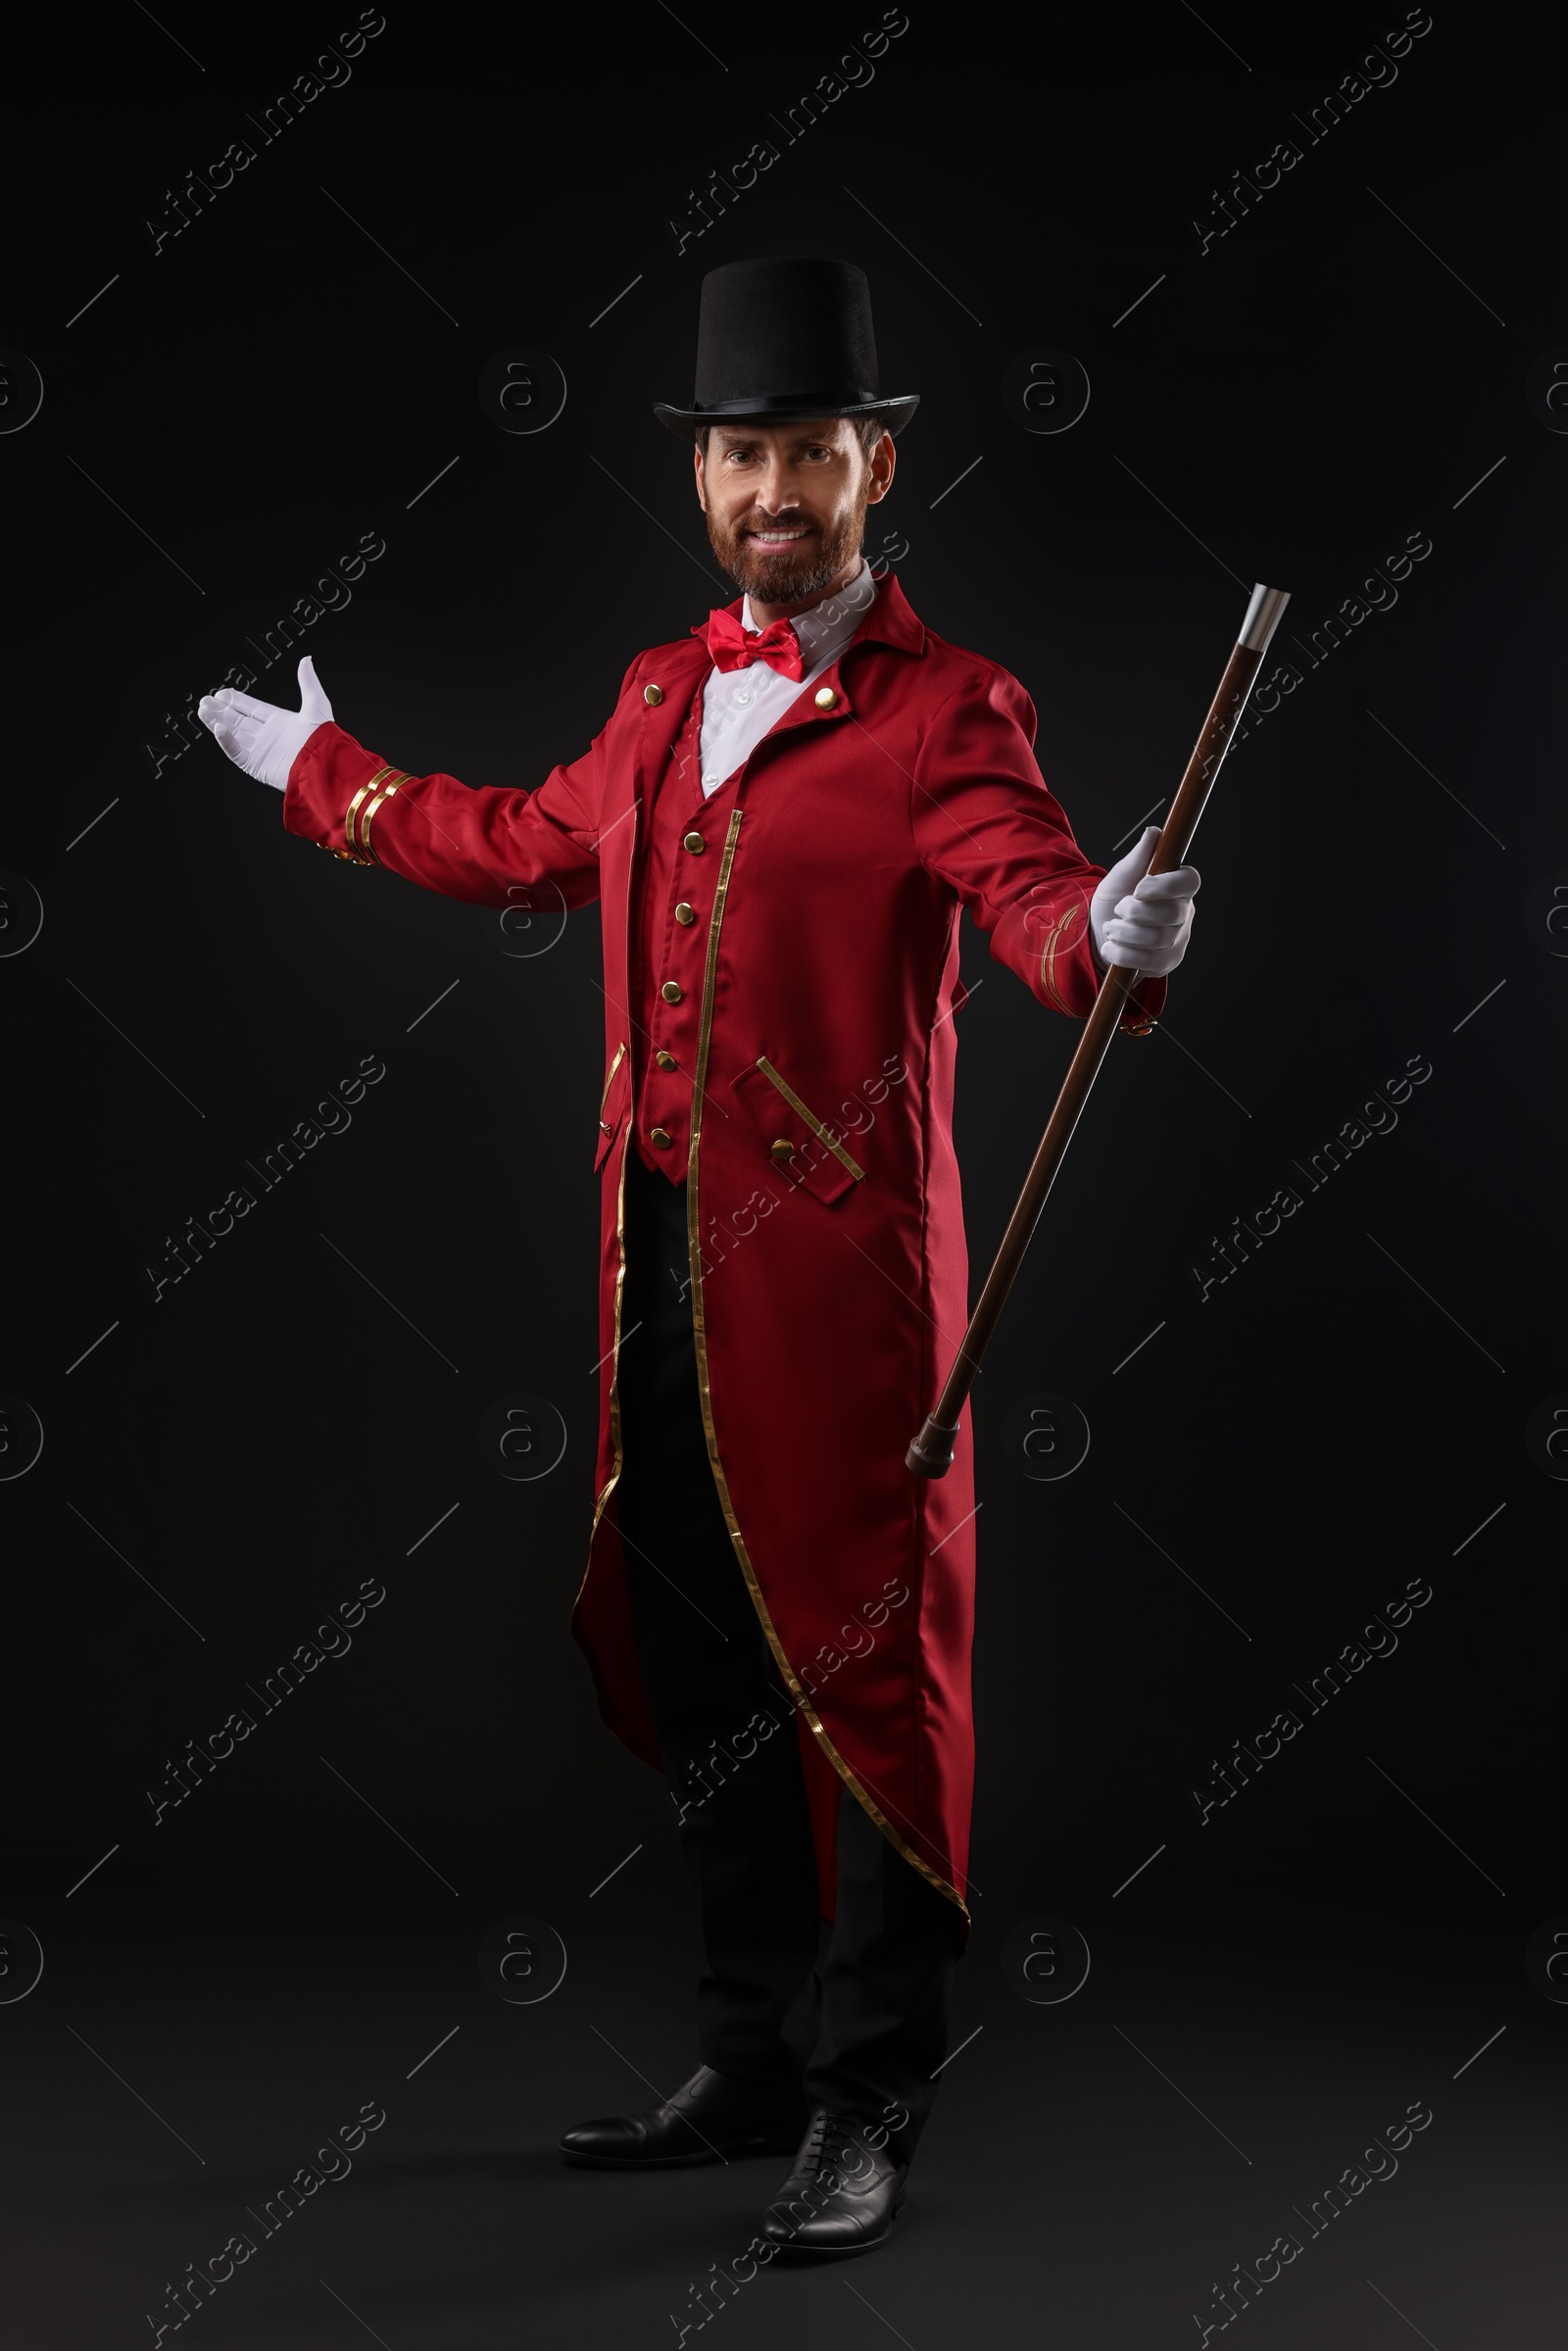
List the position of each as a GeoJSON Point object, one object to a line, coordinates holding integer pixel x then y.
{"type": "Point", "coordinates": [786, 503]}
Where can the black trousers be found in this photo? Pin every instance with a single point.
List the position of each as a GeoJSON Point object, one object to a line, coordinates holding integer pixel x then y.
{"type": "Point", "coordinates": [861, 2024]}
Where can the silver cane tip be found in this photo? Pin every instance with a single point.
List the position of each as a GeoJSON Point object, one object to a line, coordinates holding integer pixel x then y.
{"type": "Point", "coordinates": [1262, 618]}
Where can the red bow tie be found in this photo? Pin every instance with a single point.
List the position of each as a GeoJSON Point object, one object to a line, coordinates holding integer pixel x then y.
{"type": "Point", "coordinates": [736, 648]}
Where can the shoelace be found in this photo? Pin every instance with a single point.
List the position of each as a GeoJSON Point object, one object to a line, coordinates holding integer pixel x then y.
{"type": "Point", "coordinates": [830, 2143]}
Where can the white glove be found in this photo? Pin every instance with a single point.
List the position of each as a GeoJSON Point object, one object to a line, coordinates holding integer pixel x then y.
{"type": "Point", "coordinates": [1142, 923]}
{"type": "Point", "coordinates": [260, 737]}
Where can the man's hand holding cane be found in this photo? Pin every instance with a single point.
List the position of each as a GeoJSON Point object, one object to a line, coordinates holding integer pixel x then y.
{"type": "Point", "coordinates": [1142, 920]}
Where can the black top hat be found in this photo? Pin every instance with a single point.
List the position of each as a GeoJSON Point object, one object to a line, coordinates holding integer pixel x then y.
{"type": "Point", "coordinates": [777, 340]}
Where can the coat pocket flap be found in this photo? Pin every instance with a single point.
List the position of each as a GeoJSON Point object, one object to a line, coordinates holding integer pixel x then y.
{"type": "Point", "coordinates": [803, 1148]}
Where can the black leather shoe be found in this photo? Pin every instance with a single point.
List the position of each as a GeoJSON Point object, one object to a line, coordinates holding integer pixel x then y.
{"type": "Point", "coordinates": [708, 2117]}
{"type": "Point", "coordinates": [843, 2195]}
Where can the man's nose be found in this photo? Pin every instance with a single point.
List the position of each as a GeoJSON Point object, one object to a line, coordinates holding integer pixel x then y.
{"type": "Point", "coordinates": [775, 491]}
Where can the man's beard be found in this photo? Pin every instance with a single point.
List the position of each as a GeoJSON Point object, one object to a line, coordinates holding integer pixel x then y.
{"type": "Point", "coordinates": [789, 575]}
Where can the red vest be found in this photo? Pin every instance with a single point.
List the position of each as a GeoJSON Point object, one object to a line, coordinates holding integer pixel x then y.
{"type": "Point", "coordinates": [668, 939]}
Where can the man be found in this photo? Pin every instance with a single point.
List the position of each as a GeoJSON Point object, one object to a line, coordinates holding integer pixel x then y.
{"type": "Point", "coordinates": [784, 818]}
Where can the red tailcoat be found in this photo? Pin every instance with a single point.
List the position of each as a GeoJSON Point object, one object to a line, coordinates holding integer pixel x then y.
{"type": "Point", "coordinates": [829, 1271]}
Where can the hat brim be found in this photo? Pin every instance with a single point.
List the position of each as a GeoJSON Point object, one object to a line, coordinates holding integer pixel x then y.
{"type": "Point", "coordinates": [794, 409]}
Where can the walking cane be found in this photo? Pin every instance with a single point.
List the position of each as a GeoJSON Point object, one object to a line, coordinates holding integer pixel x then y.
{"type": "Point", "coordinates": [931, 1454]}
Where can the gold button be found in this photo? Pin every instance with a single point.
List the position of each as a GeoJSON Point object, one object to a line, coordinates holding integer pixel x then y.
{"type": "Point", "coordinates": [685, 913]}
{"type": "Point", "coordinates": [781, 1149]}
{"type": "Point", "coordinates": [657, 1136]}
{"type": "Point", "coordinates": [606, 1125]}
{"type": "Point", "coordinates": [695, 842]}
{"type": "Point", "coordinates": [653, 696]}
{"type": "Point", "coordinates": [666, 1060]}
{"type": "Point", "coordinates": [672, 992]}
{"type": "Point", "coordinates": [824, 697]}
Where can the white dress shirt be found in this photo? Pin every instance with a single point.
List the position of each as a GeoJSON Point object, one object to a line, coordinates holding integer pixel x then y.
{"type": "Point", "coordinates": [741, 706]}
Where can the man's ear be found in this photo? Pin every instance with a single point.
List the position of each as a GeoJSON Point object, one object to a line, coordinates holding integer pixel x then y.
{"type": "Point", "coordinates": [883, 459]}
{"type": "Point", "coordinates": [697, 462]}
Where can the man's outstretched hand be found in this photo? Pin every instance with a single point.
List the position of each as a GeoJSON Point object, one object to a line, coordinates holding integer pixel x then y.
{"type": "Point", "coordinates": [260, 737]}
{"type": "Point", "coordinates": [1140, 920]}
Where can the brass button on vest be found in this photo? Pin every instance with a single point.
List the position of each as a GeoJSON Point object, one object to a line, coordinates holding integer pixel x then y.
{"type": "Point", "coordinates": [824, 697]}
{"type": "Point", "coordinates": [695, 842]}
{"type": "Point", "coordinates": [666, 1060]}
{"type": "Point", "coordinates": [672, 992]}
{"type": "Point", "coordinates": [656, 1135]}
{"type": "Point", "coordinates": [685, 913]}
{"type": "Point", "coordinates": [653, 696]}
{"type": "Point", "coordinates": [781, 1149]}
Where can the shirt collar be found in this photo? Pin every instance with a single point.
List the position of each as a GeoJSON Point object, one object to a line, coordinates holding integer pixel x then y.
{"type": "Point", "coordinates": [826, 630]}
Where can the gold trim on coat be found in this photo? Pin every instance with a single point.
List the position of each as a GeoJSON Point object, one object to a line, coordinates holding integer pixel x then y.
{"type": "Point", "coordinates": [809, 1117]}
{"type": "Point", "coordinates": [602, 1497]}
{"type": "Point", "coordinates": [349, 814]}
{"type": "Point", "coordinates": [792, 1681]}
{"type": "Point", "coordinates": [398, 778]}
{"type": "Point", "coordinates": [603, 1092]}
{"type": "Point", "coordinates": [1048, 961]}
{"type": "Point", "coordinates": [613, 1479]}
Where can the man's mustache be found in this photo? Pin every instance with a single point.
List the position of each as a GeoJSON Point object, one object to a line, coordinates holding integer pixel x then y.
{"type": "Point", "coordinates": [756, 523]}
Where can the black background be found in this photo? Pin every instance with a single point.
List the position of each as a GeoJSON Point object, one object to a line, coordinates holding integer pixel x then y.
{"type": "Point", "coordinates": [1281, 1459]}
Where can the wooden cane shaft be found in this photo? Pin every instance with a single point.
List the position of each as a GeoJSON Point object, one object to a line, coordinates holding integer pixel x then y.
{"type": "Point", "coordinates": [1229, 700]}
{"type": "Point", "coordinates": [1092, 1046]}
{"type": "Point", "coordinates": [931, 1452]}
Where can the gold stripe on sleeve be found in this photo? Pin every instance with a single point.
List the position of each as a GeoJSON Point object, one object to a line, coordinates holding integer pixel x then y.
{"type": "Point", "coordinates": [398, 776]}
{"type": "Point", "coordinates": [1047, 961]}
{"type": "Point", "coordinates": [348, 821]}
